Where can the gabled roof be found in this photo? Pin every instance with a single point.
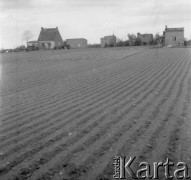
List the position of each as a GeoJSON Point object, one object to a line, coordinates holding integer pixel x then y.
{"type": "Point", "coordinates": [174, 29]}
{"type": "Point", "coordinates": [77, 39]}
{"type": "Point", "coordinates": [109, 36]}
{"type": "Point", "coordinates": [49, 34]}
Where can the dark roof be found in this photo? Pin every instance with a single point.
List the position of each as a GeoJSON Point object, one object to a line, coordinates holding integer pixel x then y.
{"type": "Point", "coordinates": [109, 36]}
{"type": "Point", "coordinates": [77, 39]}
{"type": "Point", "coordinates": [49, 34]}
{"type": "Point", "coordinates": [174, 29]}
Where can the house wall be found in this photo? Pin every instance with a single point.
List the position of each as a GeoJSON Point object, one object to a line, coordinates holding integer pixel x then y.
{"type": "Point", "coordinates": [32, 45]}
{"type": "Point", "coordinates": [58, 40]}
{"type": "Point", "coordinates": [47, 44]}
{"type": "Point", "coordinates": [146, 39]}
{"type": "Point", "coordinates": [58, 44]}
{"type": "Point", "coordinates": [174, 38]}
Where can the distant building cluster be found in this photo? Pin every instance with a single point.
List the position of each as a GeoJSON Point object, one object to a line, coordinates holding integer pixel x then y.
{"type": "Point", "coordinates": [173, 37]}
{"type": "Point", "coordinates": [50, 38]}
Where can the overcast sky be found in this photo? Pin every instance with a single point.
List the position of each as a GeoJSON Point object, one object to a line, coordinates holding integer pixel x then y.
{"type": "Point", "coordinates": [90, 19]}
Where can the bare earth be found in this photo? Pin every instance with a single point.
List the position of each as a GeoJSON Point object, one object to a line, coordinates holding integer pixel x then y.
{"type": "Point", "coordinates": [65, 114]}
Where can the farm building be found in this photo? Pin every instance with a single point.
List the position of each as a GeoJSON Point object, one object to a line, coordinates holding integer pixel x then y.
{"type": "Point", "coordinates": [50, 38]}
{"type": "Point", "coordinates": [108, 41]}
{"type": "Point", "coordinates": [77, 43]}
{"type": "Point", "coordinates": [146, 39]}
{"type": "Point", "coordinates": [188, 43]}
{"type": "Point", "coordinates": [174, 36]}
{"type": "Point", "coordinates": [32, 45]}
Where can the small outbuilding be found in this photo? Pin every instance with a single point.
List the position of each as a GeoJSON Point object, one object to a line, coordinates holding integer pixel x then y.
{"type": "Point", "coordinates": [32, 45]}
{"type": "Point", "coordinates": [77, 43]}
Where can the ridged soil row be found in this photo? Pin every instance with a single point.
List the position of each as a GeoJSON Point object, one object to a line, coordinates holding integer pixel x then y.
{"type": "Point", "coordinates": [65, 80]}
{"type": "Point", "coordinates": [173, 99]}
{"type": "Point", "coordinates": [29, 83]}
{"type": "Point", "coordinates": [57, 94]}
{"type": "Point", "coordinates": [159, 135]}
{"type": "Point", "coordinates": [156, 139]}
{"type": "Point", "coordinates": [91, 140]}
{"type": "Point", "coordinates": [157, 143]}
{"type": "Point", "coordinates": [66, 97]}
{"type": "Point", "coordinates": [83, 168]}
{"type": "Point", "coordinates": [37, 116]}
{"type": "Point", "coordinates": [61, 88]}
{"type": "Point", "coordinates": [132, 147]}
{"type": "Point", "coordinates": [41, 122]}
{"type": "Point", "coordinates": [29, 142]}
{"type": "Point", "coordinates": [173, 145]}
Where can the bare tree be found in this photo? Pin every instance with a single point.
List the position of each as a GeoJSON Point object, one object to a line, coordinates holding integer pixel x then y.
{"type": "Point", "coordinates": [155, 38]}
{"type": "Point", "coordinates": [27, 35]}
{"type": "Point", "coordinates": [118, 40]}
{"type": "Point", "coordinates": [157, 35]}
{"type": "Point", "coordinates": [131, 37]}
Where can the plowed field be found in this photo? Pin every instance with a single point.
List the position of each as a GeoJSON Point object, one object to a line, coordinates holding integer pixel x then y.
{"type": "Point", "coordinates": [66, 114]}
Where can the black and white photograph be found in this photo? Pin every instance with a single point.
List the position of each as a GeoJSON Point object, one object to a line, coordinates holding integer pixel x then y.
{"type": "Point", "coordinates": [95, 89]}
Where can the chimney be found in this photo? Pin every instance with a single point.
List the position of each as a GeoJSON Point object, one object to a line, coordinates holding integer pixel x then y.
{"type": "Point", "coordinates": [166, 27]}
{"type": "Point", "coordinates": [56, 27]}
{"type": "Point", "coordinates": [41, 28]}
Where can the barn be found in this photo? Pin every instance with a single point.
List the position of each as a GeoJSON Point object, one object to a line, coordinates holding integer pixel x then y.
{"type": "Point", "coordinates": [32, 45]}
{"type": "Point", "coordinates": [77, 43]}
{"type": "Point", "coordinates": [50, 38]}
